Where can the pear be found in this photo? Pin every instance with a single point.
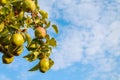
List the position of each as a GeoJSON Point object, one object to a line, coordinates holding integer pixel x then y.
{"type": "Point", "coordinates": [29, 4]}
{"type": "Point", "coordinates": [3, 1]}
{"type": "Point", "coordinates": [17, 39]}
{"type": "Point", "coordinates": [44, 65]}
{"type": "Point", "coordinates": [7, 60]}
{"type": "Point", "coordinates": [40, 32]}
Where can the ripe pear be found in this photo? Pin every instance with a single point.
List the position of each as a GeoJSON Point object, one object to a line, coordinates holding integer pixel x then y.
{"type": "Point", "coordinates": [1, 26]}
{"type": "Point", "coordinates": [29, 4]}
{"type": "Point", "coordinates": [44, 65]}
{"type": "Point", "coordinates": [7, 60]}
{"type": "Point", "coordinates": [17, 39]}
{"type": "Point", "coordinates": [3, 1]}
{"type": "Point", "coordinates": [40, 32]}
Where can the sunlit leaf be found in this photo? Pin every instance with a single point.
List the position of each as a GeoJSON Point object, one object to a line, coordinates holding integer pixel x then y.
{"type": "Point", "coordinates": [29, 57]}
{"type": "Point", "coordinates": [36, 67]}
{"type": "Point", "coordinates": [53, 42]}
{"type": "Point", "coordinates": [55, 28]}
{"type": "Point", "coordinates": [1, 26]}
{"type": "Point", "coordinates": [48, 25]}
{"type": "Point", "coordinates": [28, 38]}
{"type": "Point", "coordinates": [43, 13]}
{"type": "Point", "coordinates": [51, 62]}
{"type": "Point", "coordinates": [32, 56]}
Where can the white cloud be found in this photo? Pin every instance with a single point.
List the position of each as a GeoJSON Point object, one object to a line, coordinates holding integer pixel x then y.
{"type": "Point", "coordinates": [107, 76]}
{"type": "Point", "coordinates": [68, 49]}
{"type": "Point", "coordinates": [92, 36]}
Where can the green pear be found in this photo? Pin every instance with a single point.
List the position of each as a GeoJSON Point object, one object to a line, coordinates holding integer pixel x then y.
{"type": "Point", "coordinates": [29, 4]}
{"type": "Point", "coordinates": [44, 65]}
{"type": "Point", "coordinates": [3, 1]}
{"type": "Point", "coordinates": [7, 60]}
{"type": "Point", "coordinates": [17, 39]}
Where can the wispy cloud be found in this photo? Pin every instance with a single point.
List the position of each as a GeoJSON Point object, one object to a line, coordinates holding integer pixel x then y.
{"type": "Point", "coordinates": [91, 36]}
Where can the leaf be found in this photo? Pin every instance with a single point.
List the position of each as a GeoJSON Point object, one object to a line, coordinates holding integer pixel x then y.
{"type": "Point", "coordinates": [55, 28]}
{"type": "Point", "coordinates": [5, 10]}
{"type": "Point", "coordinates": [47, 37]}
{"type": "Point", "coordinates": [53, 42]}
{"type": "Point", "coordinates": [48, 25]}
{"type": "Point", "coordinates": [1, 26]}
{"type": "Point", "coordinates": [4, 33]}
{"type": "Point", "coordinates": [28, 38]}
{"type": "Point", "coordinates": [35, 55]}
{"type": "Point", "coordinates": [32, 56]}
{"type": "Point", "coordinates": [36, 67]}
{"type": "Point", "coordinates": [13, 27]}
{"type": "Point", "coordinates": [43, 13]}
{"type": "Point", "coordinates": [29, 57]}
{"type": "Point", "coordinates": [51, 62]}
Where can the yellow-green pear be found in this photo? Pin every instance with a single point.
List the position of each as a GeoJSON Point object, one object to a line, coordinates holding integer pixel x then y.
{"type": "Point", "coordinates": [7, 60]}
{"type": "Point", "coordinates": [44, 65]}
{"type": "Point", "coordinates": [30, 4]}
{"type": "Point", "coordinates": [3, 1]}
{"type": "Point", "coordinates": [17, 39]}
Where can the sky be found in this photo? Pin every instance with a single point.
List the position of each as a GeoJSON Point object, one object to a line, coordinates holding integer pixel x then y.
{"type": "Point", "coordinates": [88, 43]}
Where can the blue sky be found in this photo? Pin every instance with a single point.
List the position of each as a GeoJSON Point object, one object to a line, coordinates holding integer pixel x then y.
{"type": "Point", "coordinates": [88, 43]}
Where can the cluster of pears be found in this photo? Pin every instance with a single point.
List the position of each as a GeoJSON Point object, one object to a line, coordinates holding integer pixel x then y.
{"type": "Point", "coordinates": [14, 48]}
{"type": "Point", "coordinates": [44, 63]}
{"type": "Point", "coordinates": [16, 17]}
{"type": "Point", "coordinates": [29, 4]}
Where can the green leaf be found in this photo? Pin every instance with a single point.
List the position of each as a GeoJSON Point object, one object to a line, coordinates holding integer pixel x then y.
{"type": "Point", "coordinates": [48, 25]}
{"type": "Point", "coordinates": [51, 62]}
{"type": "Point", "coordinates": [47, 37]}
{"type": "Point", "coordinates": [1, 26]}
{"type": "Point", "coordinates": [28, 38]}
{"type": "Point", "coordinates": [4, 33]}
{"type": "Point", "coordinates": [35, 55]}
{"type": "Point", "coordinates": [5, 10]}
{"type": "Point", "coordinates": [36, 67]}
{"type": "Point", "coordinates": [32, 56]}
{"type": "Point", "coordinates": [29, 57]}
{"type": "Point", "coordinates": [55, 28]}
{"type": "Point", "coordinates": [43, 13]}
{"type": "Point", "coordinates": [53, 42]}
{"type": "Point", "coordinates": [13, 27]}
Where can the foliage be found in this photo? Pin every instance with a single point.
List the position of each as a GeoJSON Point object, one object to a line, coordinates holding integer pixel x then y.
{"type": "Point", "coordinates": [16, 17]}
